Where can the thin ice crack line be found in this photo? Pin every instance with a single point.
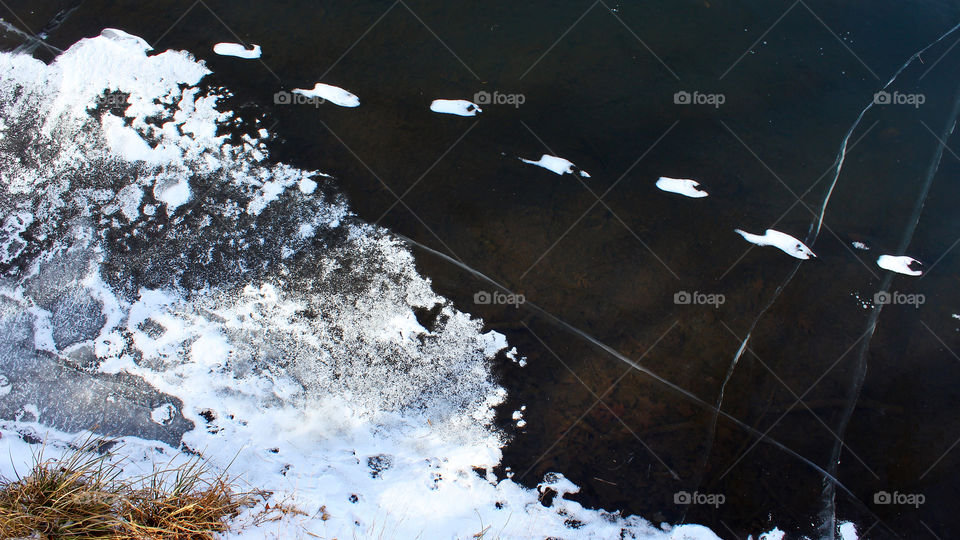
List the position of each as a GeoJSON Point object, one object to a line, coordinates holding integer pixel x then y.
{"type": "Point", "coordinates": [359, 39]}
{"type": "Point", "coordinates": [809, 241]}
{"type": "Point", "coordinates": [52, 24]}
{"type": "Point", "coordinates": [790, 408]}
{"type": "Point", "coordinates": [434, 34]}
{"type": "Point", "coordinates": [559, 39]}
{"type": "Point", "coordinates": [861, 366]}
{"type": "Point", "coordinates": [387, 187]}
{"type": "Point", "coordinates": [797, 201]}
{"type": "Point", "coordinates": [585, 13]}
{"type": "Point", "coordinates": [605, 193]}
{"type": "Point", "coordinates": [600, 400]}
{"type": "Point", "coordinates": [841, 156]}
{"type": "Point", "coordinates": [426, 172]}
{"type": "Point", "coordinates": [676, 388]}
{"type": "Point", "coordinates": [614, 214]}
{"type": "Point", "coordinates": [952, 153]}
{"type": "Point", "coordinates": [645, 46]}
{"type": "Point", "coordinates": [805, 406]}
{"type": "Point", "coordinates": [28, 34]}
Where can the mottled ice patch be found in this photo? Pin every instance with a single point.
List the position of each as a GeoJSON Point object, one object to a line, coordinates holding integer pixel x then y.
{"type": "Point", "coordinates": [237, 50]}
{"type": "Point", "coordinates": [333, 94]}
{"type": "Point", "coordinates": [782, 241]}
{"type": "Point", "coordinates": [681, 186]}
{"type": "Point", "coordinates": [459, 107]}
{"type": "Point", "coordinates": [556, 165]}
{"type": "Point", "coordinates": [163, 414]}
{"type": "Point", "coordinates": [901, 265]}
{"type": "Point", "coordinates": [860, 245]}
{"type": "Point", "coordinates": [172, 192]}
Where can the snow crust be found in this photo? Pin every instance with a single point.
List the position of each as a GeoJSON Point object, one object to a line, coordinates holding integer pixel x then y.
{"type": "Point", "coordinates": [280, 327]}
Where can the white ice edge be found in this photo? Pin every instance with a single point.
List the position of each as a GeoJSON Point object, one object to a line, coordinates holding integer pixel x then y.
{"type": "Point", "coordinates": [899, 264]}
{"type": "Point", "coordinates": [555, 164]}
{"type": "Point", "coordinates": [681, 186]}
{"type": "Point", "coordinates": [308, 447]}
{"type": "Point", "coordinates": [459, 107]}
{"type": "Point", "coordinates": [237, 50]}
{"type": "Point", "coordinates": [782, 241]}
{"type": "Point", "coordinates": [333, 94]}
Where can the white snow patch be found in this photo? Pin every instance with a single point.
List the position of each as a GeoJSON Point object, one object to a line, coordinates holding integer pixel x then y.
{"type": "Point", "coordinates": [556, 164]}
{"type": "Point", "coordinates": [681, 186]}
{"type": "Point", "coordinates": [782, 241]}
{"type": "Point", "coordinates": [860, 245]}
{"type": "Point", "coordinates": [848, 531]}
{"type": "Point", "coordinates": [163, 414]}
{"type": "Point", "coordinates": [237, 50]}
{"type": "Point", "coordinates": [899, 264]}
{"type": "Point", "coordinates": [333, 94]}
{"type": "Point", "coordinates": [459, 107]}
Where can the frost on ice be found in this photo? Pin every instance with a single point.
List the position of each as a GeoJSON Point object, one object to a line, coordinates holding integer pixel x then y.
{"type": "Point", "coordinates": [782, 241]}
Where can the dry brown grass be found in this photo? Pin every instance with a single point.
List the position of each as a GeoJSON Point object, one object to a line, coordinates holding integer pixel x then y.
{"type": "Point", "coordinates": [82, 495]}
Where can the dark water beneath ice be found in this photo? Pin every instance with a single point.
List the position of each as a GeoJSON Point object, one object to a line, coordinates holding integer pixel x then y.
{"type": "Point", "coordinates": [598, 82]}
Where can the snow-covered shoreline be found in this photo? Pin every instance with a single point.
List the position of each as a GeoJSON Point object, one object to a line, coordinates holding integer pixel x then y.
{"type": "Point", "coordinates": [282, 327]}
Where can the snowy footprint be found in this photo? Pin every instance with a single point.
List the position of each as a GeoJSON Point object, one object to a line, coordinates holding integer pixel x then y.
{"type": "Point", "coordinates": [557, 165]}
{"type": "Point", "coordinates": [782, 241]}
{"type": "Point", "coordinates": [459, 107]}
{"type": "Point", "coordinates": [333, 94]}
{"type": "Point", "coordinates": [901, 265]}
{"type": "Point", "coordinates": [681, 186]}
{"type": "Point", "coordinates": [237, 50]}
